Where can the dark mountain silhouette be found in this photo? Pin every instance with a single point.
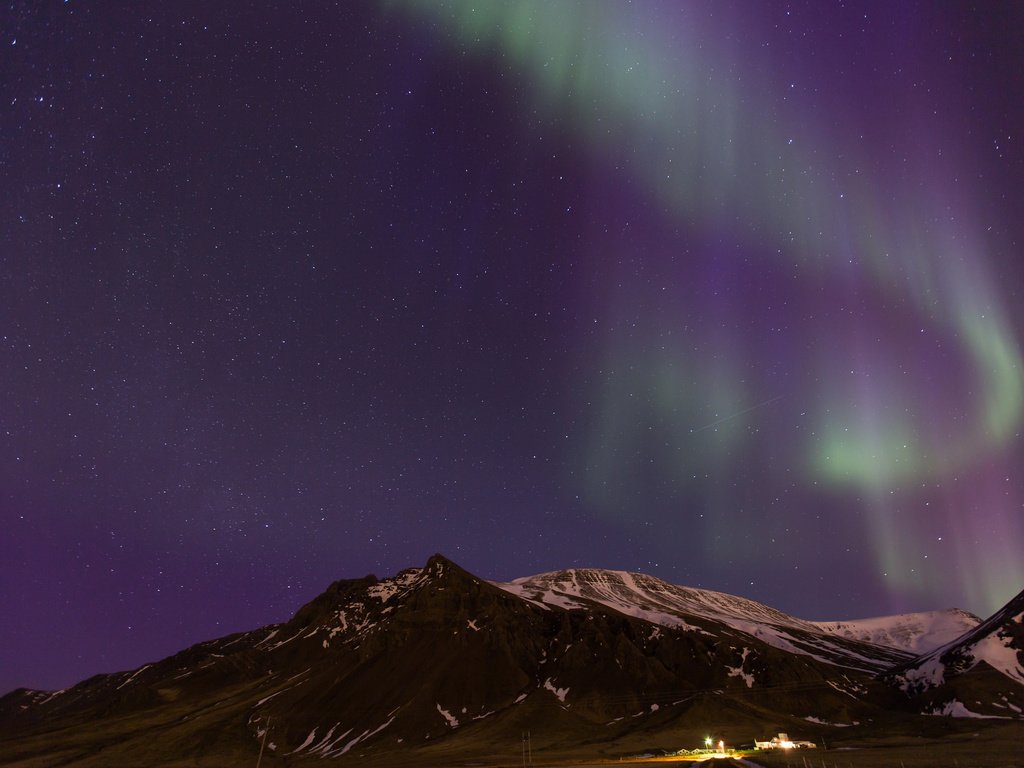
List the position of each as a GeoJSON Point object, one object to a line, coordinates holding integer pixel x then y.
{"type": "Point", "coordinates": [436, 665]}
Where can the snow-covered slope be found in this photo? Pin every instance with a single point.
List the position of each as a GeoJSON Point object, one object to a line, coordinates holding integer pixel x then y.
{"type": "Point", "coordinates": [639, 595]}
{"type": "Point", "coordinates": [998, 642]}
{"type": "Point", "coordinates": [668, 605]}
{"type": "Point", "coordinates": [914, 632]}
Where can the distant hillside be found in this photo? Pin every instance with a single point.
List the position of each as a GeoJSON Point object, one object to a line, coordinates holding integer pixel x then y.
{"type": "Point", "coordinates": [914, 632]}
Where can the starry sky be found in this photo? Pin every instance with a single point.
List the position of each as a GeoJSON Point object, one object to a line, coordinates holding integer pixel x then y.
{"type": "Point", "coordinates": [721, 291]}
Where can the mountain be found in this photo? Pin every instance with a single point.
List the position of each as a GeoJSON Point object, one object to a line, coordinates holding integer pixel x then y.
{"type": "Point", "coordinates": [436, 666]}
{"type": "Point", "coordinates": [979, 674]}
{"type": "Point", "coordinates": [917, 633]}
{"type": "Point", "coordinates": [662, 603]}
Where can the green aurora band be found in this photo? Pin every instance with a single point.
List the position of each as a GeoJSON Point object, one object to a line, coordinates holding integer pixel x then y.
{"type": "Point", "coordinates": [654, 95]}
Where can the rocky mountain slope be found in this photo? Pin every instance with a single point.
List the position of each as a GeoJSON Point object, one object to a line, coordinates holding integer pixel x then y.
{"type": "Point", "coordinates": [668, 605]}
{"type": "Point", "coordinates": [437, 664]}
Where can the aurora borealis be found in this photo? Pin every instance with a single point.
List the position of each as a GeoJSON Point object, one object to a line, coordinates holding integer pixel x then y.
{"type": "Point", "coordinates": [724, 292]}
{"type": "Point", "coordinates": [719, 144]}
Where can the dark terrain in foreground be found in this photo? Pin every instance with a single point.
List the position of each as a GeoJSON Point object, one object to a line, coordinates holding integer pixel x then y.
{"type": "Point", "coordinates": [981, 745]}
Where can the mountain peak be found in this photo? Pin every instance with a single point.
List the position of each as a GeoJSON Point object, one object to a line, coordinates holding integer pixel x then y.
{"type": "Point", "coordinates": [414, 661]}
{"type": "Point", "coordinates": [438, 565]}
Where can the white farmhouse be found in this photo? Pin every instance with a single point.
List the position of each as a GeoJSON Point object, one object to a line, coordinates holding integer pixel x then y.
{"type": "Point", "coordinates": [782, 741]}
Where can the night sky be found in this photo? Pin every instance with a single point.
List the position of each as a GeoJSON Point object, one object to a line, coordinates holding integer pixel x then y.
{"type": "Point", "coordinates": [726, 292]}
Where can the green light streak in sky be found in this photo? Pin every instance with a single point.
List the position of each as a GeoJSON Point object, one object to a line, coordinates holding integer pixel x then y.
{"type": "Point", "coordinates": [714, 144]}
{"type": "Point", "coordinates": [668, 106]}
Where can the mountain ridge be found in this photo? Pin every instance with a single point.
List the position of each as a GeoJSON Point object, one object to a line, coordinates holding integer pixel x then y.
{"type": "Point", "coordinates": [912, 633]}
{"type": "Point", "coordinates": [435, 659]}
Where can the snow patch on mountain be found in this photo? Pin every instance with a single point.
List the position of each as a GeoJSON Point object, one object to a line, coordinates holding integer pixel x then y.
{"type": "Point", "coordinates": [136, 673]}
{"type": "Point", "coordinates": [306, 743]}
{"type": "Point", "coordinates": [954, 708]}
{"type": "Point", "coordinates": [1005, 703]}
{"type": "Point", "coordinates": [928, 674]}
{"type": "Point", "coordinates": [819, 721]}
{"type": "Point", "coordinates": [739, 672]}
{"type": "Point", "coordinates": [995, 650]}
{"type": "Point", "coordinates": [399, 584]}
{"type": "Point", "coordinates": [559, 692]}
{"type": "Point", "coordinates": [452, 720]}
{"type": "Point", "coordinates": [328, 740]}
{"type": "Point", "coordinates": [330, 751]}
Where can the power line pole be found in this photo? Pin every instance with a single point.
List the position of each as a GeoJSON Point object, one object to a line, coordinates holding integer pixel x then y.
{"type": "Point", "coordinates": [263, 743]}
